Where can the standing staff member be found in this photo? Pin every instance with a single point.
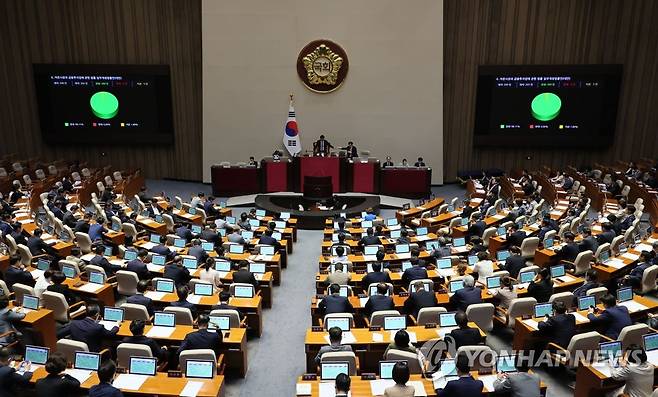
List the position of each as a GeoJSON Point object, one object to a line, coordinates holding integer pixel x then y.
{"type": "Point", "coordinates": [321, 147]}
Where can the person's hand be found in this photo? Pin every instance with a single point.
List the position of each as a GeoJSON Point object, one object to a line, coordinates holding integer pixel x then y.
{"type": "Point", "coordinates": [165, 348]}
{"type": "Point", "coordinates": [590, 310]}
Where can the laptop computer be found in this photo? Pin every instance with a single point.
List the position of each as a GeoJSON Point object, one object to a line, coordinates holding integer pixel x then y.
{"type": "Point", "coordinates": [129, 255]}
{"type": "Point", "coordinates": [164, 286]}
{"type": "Point", "coordinates": [501, 231]}
{"type": "Point", "coordinates": [43, 264]}
{"type": "Point", "coordinates": [180, 242]}
{"type": "Point", "coordinates": [155, 238]}
{"type": "Point", "coordinates": [36, 354]}
{"type": "Point", "coordinates": [650, 341]}
{"type": "Point", "coordinates": [285, 215]}
{"type": "Point", "coordinates": [108, 251]}
{"type": "Point", "coordinates": [222, 265]}
{"type": "Point", "coordinates": [86, 360]}
{"type": "Point", "coordinates": [330, 370]}
{"type": "Point", "coordinates": [391, 222]}
{"type": "Point", "coordinates": [69, 271]}
{"type": "Point", "coordinates": [458, 242]}
{"type": "Point", "coordinates": [159, 260]}
{"type": "Point", "coordinates": [370, 250]}
{"type": "Point", "coordinates": [366, 224]}
{"type": "Point", "coordinates": [526, 277]}
{"type": "Point", "coordinates": [456, 285]}
{"type": "Point", "coordinates": [609, 350]}
{"type": "Point", "coordinates": [112, 314]}
{"type": "Point", "coordinates": [585, 302]}
{"type": "Point", "coordinates": [260, 213]}
{"type": "Point", "coordinates": [30, 302]}
{"type": "Point", "coordinates": [247, 234]}
{"type": "Point", "coordinates": [431, 245]}
{"type": "Point", "coordinates": [196, 229]}
{"type": "Point", "coordinates": [190, 263]}
{"type": "Point", "coordinates": [447, 319]}
{"type": "Point", "coordinates": [625, 294]}
{"type": "Point", "coordinates": [421, 231]}
{"type": "Point", "coordinates": [543, 309]}
{"type": "Point", "coordinates": [203, 289]}
{"type": "Point", "coordinates": [266, 250]}
{"type": "Point", "coordinates": [219, 322]}
{"type": "Point", "coordinates": [208, 247]}
{"type": "Point", "coordinates": [502, 255]}
{"type": "Point", "coordinates": [243, 291]}
{"type": "Point", "coordinates": [472, 260]}
{"type": "Point", "coordinates": [396, 233]}
{"type": "Point", "coordinates": [236, 249]}
{"type": "Point", "coordinates": [394, 323]}
{"type": "Point", "coordinates": [373, 291]}
{"type": "Point", "coordinates": [96, 278]}
{"type": "Point", "coordinates": [258, 268]}
{"type": "Point", "coordinates": [406, 265]}
{"type": "Point", "coordinates": [444, 263]}
{"type": "Point", "coordinates": [203, 369]}
{"type": "Point", "coordinates": [506, 364]}
{"type": "Point", "coordinates": [402, 248]}
{"type": "Point", "coordinates": [386, 368]}
{"type": "Point", "coordinates": [493, 282]}
{"type": "Point", "coordinates": [143, 366]}
{"type": "Point", "coordinates": [164, 319]}
{"type": "Point", "coordinates": [341, 322]}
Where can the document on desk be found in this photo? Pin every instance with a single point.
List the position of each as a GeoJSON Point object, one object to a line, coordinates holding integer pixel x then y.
{"type": "Point", "coordinates": [363, 301]}
{"type": "Point", "coordinates": [443, 331]}
{"type": "Point", "coordinates": [88, 257]}
{"type": "Point", "coordinates": [614, 262]}
{"type": "Point", "coordinates": [108, 325]}
{"type": "Point", "coordinates": [148, 245]}
{"type": "Point", "coordinates": [154, 268]}
{"type": "Point", "coordinates": [90, 287]}
{"type": "Point", "coordinates": [160, 332]}
{"type": "Point", "coordinates": [191, 389]}
{"type": "Point", "coordinates": [531, 323]}
{"type": "Point", "coordinates": [643, 247]}
{"type": "Point", "coordinates": [580, 318]}
{"type": "Point", "coordinates": [423, 238]}
{"type": "Point", "coordinates": [117, 262]}
{"type": "Point", "coordinates": [129, 382]}
{"type": "Point", "coordinates": [652, 357]}
{"type": "Point", "coordinates": [419, 388]}
{"type": "Point", "coordinates": [155, 295]}
{"type": "Point", "coordinates": [633, 306]}
{"type": "Point", "coordinates": [488, 381]}
{"type": "Point", "coordinates": [412, 335]}
{"type": "Point", "coordinates": [377, 337]}
{"type": "Point", "coordinates": [36, 274]}
{"type": "Point", "coordinates": [80, 374]}
{"type": "Point", "coordinates": [370, 258]}
{"type": "Point", "coordinates": [303, 389]}
{"type": "Point", "coordinates": [630, 256]}
{"type": "Point", "coordinates": [328, 389]}
{"type": "Point", "coordinates": [378, 386]}
{"type": "Point", "coordinates": [604, 368]}
{"type": "Point", "coordinates": [194, 299]}
{"type": "Point", "coordinates": [498, 216]}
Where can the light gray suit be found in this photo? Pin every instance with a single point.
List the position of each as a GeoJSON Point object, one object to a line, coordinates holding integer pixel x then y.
{"type": "Point", "coordinates": [520, 384]}
{"type": "Point", "coordinates": [7, 320]}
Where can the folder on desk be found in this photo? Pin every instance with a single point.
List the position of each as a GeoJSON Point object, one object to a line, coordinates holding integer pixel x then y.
{"type": "Point", "coordinates": [191, 389]}
{"type": "Point", "coordinates": [80, 374]}
{"type": "Point", "coordinates": [303, 389]}
{"type": "Point", "coordinates": [160, 332]}
{"type": "Point", "coordinates": [129, 382]}
{"type": "Point", "coordinates": [147, 245]}
{"type": "Point", "coordinates": [91, 287]}
{"type": "Point", "coordinates": [154, 268]}
{"type": "Point", "coordinates": [155, 295]}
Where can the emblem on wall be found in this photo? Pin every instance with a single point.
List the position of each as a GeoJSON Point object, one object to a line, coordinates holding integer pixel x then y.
{"type": "Point", "coordinates": [322, 65]}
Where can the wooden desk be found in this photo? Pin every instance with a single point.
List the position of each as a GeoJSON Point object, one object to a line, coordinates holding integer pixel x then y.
{"type": "Point", "coordinates": [388, 243]}
{"type": "Point", "coordinates": [104, 294]}
{"type": "Point", "coordinates": [461, 231]}
{"type": "Point", "coordinates": [160, 384]}
{"type": "Point", "coordinates": [405, 215]}
{"type": "Point", "coordinates": [234, 346]}
{"type": "Point", "coordinates": [196, 219]}
{"type": "Point", "coordinates": [435, 222]}
{"type": "Point", "coordinates": [272, 265]}
{"type": "Point", "coordinates": [43, 322]}
{"type": "Point", "coordinates": [590, 382]}
{"type": "Point", "coordinates": [359, 261]}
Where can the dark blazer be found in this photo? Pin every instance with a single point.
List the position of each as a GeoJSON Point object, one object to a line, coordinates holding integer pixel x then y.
{"type": "Point", "coordinates": [96, 231]}
{"type": "Point", "coordinates": [627, 222]}
{"type": "Point", "coordinates": [9, 379]}
{"type": "Point", "coordinates": [588, 243]}
{"type": "Point", "coordinates": [210, 209]}
{"type": "Point", "coordinates": [466, 296]}
{"type": "Point", "coordinates": [613, 319]}
{"type": "Point", "coordinates": [184, 232]}
{"type": "Point", "coordinates": [335, 304]}
{"type": "Point", "coordinates": [161, 249]}
{"type": "Point", "coordinates": [69, 219]}
{"type": "Point", "coordinates": [635, 276]}
{"type": "Point", "coordinates": [419, 300]}
{"type": "Point", "coordinates": [210, 236]}
{"type": "Point", "coordinates": [15, 275]}
{"type": "Point", "coordinates": [156, 350]}
{"type": "Point", "coordinates": [81, 226]}
{"type": "Point", "coordinates": [466, 336]}
{"type": "Point", "coordinates": [541, 291]}
{"type": "Point", "coordinates": [543, 231]}
{"type": "Point", "coordinates": [413, 273]}
{"type": "Point", "coordinates": [186, 304]}
{"type": "Point", "coordinates": [569, 252]}
{"type": "Point", "coordinates": [145, 301]}
{"type": "Point", "coordinates": [375, 277]}
{"type": "Point", "coordinates": [269, 240]}
{"type": "Point", "coordinates": [19, 237]}
{"type": "Point", "coordinates": [516, 238]}
{"type": "Point", "coordinates": [101, 261]}
{"type": "Point", "coordinates": [514, 264]}
{"type": "Point", "coordinates": [582, 290]}
{"type": "Point", "coordinates": [465, 386]}
{"type": "Point", "coordinates": [606, 237]}
{"type": "Point", "coordinates": [37, 246]}
{"type": "Point", "coordinates": [477, 229]}
{"type": "Point", "coordinates": [369, 240]}
{"type": "Point", "coordinates": [57, 386]}
{"type": "Point", "coordinates": [467, 211]}
{"type": "Point", "coordinates": [64, 290]}
{"type": "Point", "coordinates": [559, 328]}
{"type": "Point", "coordinates": [202, 339]}
{"type": "Point", "coordinates": [90, 332]}
{"type": "Point", "coordinates": [104, 390]}
{"type": "Point", "coordinates": [246, 277]}
{"type": "Point", "coordinates": [139, 267]}
{"type": "Point", "coordinates": [199, 253]}
{"type": "Point", "coordinates": [378, 302]}
{"type": "Point", "coordinates": [226, 306]}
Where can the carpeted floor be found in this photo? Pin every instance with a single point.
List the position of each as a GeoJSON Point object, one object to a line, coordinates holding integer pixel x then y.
{"type": "Point", "coordinates": [277, 358]}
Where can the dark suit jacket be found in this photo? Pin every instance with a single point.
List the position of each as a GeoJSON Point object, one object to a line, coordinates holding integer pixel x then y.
{"type": "Point", "coordinates": [569, 252]}
{"type": "Point", "coordinates": [467, 211]}
{"type": "Point", "coordinates": [477, 229]}
{"type": "Point", "coordinates": [378, 302]}
{"type": "Point", "coordinates": [466, 296]}
{"type": "Point", "coordinates": [90, 332]}
{"type": "Point", "coordinates": [139, 267]}
{"type": "Point", "coordinates": [465, 386]}
{"type": "Point", "coordinates": [541, 291]}
{"type": "Point", "coordinates": [37, 246]}
{"type": "Point", "coordinates": [335, 304]}
{"type": "Point", "coordinates": [246, 277]}
{"type": "Point", "coordinates": [179, 274]}
{"type": "Point", "coordinates": [104, 390]}
{"type": "Point", "coordinates": [57, 386]}
{"type": "Point", "coordinates": [589, 243]}
{"type": "Point", "coordinates": [202, 339]}
{"type": "Point", "coordinates": [559, 328]}
{"type": "Point", "coordinates": [69, 219]}
{"type": "Point", "coordinates": [635, 276]}
{"type": "Point", "coordinates": [514, 264]}
{"type": "Point", "coordinates": [186, 304]}
{"type": "Point", "coordinates": [543, 231]}
{"type": "Point", "coordinates": [466, 336]}
{"type": "Point", "coordinates": [612, 319]}
{"type": "Point", "coordinates": [516, 238]}
{"type": "Point", "coordinates": [369, 240]}
{"type": "Point", "coordinates": [199, 253]}
{"type": "Point", "coordinates": [9, 379]}
{"type": "Point", "coordinates": [161, 249]}
{"type": "Point", "coordinates": [81, 226]}
{"type": "Point", "coordinates": [269, 240]}
{"type": "Point", "coordinates": [582, 290]}
{"type": "Point", "coordinates": [419, 300]}
{"type": "Point", "coordinates": [145, 301]}
{"type": "Point", "coordinates": [144, 340]}
{"type": "Point", "coordinates": [413, 273]}
{"type": "Point", "coordinates": [209, 207]}
{"type": "Point", "coordinates": [606, 237]}
{"type": "Point", "coordinates": [15, 275]}
{"type": "Point", "coordinates": [101, 261]}
{"type": "Point", "coordinates": [184, 232]}
{"type": "Point", "coordinates": [64, 290]}
{"type": "Point", "coordinates": [210, 236]}
{"type": "Point", "coordinates": [375, 277]}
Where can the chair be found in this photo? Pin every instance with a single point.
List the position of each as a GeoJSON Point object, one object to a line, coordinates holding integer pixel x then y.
{"type": "Point", "coordinates": [195, 354]}
{"type": "Point", "coordinates": [5, 289]}
{"type": "Point", "coordinates": [488, 233]}
{"type": "Point", "coordinates": [348, 357]}
{"type": "Point", "coordinates": [518, 307]}
{"type": "Point", "coordinates": [127, 282]}
{"type": "Point", "coordinates": [483, 357]}
{"type": "Point", "coordinates": [84, 242]}
{"type": "Point", "coordinates": [529, 246]}
{"type": "Point", "coordinates": [597, 292]}
{"type": "Point", "coordinates": [481, 314]}
{"type": "Point", "coordinates": [429, 315]}
{"type": "Point", "coordinates": [52, 170]}
{"type": "Point", "coordinates": [69, 263]}
{"type": "Point", "coordinates": [94, 268]}
{"type": "Point", "coordinates": [127, 350]}
{"type": "Point", "coordinates": [411, 359]}
{"type": "Point", "coordinates": [377, 318]}
{"type": "Point", "coordinates": [453, 202]}
{"type": "Point", "coordinates": [132, 311]}
{"type": "Point", "coordinates": [337, 315]}
{"type": "Point", "coordinates": [183, 315]}
{"type": "Point", "coordinates": [76, 176]}
{"type": "Point", "coordinates": [579, 347]}
{"type": "Point", "coordinates": [531, 268]}
{"type": "Point", "coordinates": [85, 172]}
{"type": "Point", "coordinates": [649, 279]}
{"type": "Point", "coordinates": [169, 221]}
{"type": "Point", "coordinates": [424, 282]}
{"type": "Point", "coordinates": [11, 244]}
{"type": "Point", "coordinates": [632, 335]}
{"type": "Point", "coordinates": [117, 176]}
{"type": "Point", "coordinates": [25, 254]}
{"type": "Point", "coordinates": [602, 248]}
{"type": "Point", "coordinates": [27, 179]}
{"type": "Point", "coordinates": [130, 230]}
{"type": "Point", "coordinates": [566, 297]}
{"type": "Point", "coordinates": [62, 311]}
{"type": "Point", "coordinates": [40, 174]}
{"type": "Point", "coordinates": [68, 347]}
{"type": "Point", "coordinates": [233, 316]}
{"type": "Point", "coordinates": [550, 235]}
{"type": "Point", "coordinates": [614, 246]}
{"type": "Point", "coordinates": [582, 262]}
{"type": "Point", "coordinates": [389, 285]}
{"type": "Point", "coordinates": [21, 290]}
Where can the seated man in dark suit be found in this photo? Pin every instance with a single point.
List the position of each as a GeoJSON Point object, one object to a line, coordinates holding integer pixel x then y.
{"type": "Point", "coordinates": [197, 251]}
{"type": "Point", "coordinates": [102, 262]}
{"type": "Point", "coordinates": [162, 249]}
{"type": "Point", "coordinates": [589, 242]}
{"type": "Point", "coordinates": [9, 377]}
{"type": "Point", "coordinates": [210, 234]}
{"type": "Point", "coordinates": [379, 301]}
{"type": "Point", "coordinates": [18, 235]}
{"type": "Point", "coordinates": [82, 225]}
{"type": "Point", "coordinates": [415, 272]}
{"type": "Point", "coordinates": [89, 331]}
{"type": "Point", "coordinates": [69, 217]}
{"type": "Point", "coordinates": [16, 273]}
{"type": "Point", "coordinates": [634, 278]}
{"type": "Point", "coordinates": [612, 319]}
{"type": "Point", "coordinates": [465, 335]}
{"type": "Point", "coordinates": [476, 229]}
{"type": "Point", "coordinates": [183, 291]}
{"type": "Point", "coordinates": [184, 232]}
{"type": "Point", "coordinates": [224, 298]}
{"type": "Point", "coordinates": [467, 209]}
{"type": "Point", "coordinates": [467, 295]}
{"type": "Point", "coordinates": [137, 329]}
{"type": "Point", "coordinates": [267, 239]}
{"type": "Point", "coordinates": [515, 236]}
{"type": "Point", "coordinates": [419, 299]}
{"type": "Point", "coordinates": [560, 327]}
{"type": "Point", "coordinates": [334, 303]}
{"type": "Point", "coordinates": [369, 238]}
{"type": "Point", "coordinates": [607, 235]}
{"type": "Point", "coordinates": [58, 278]}
{"type": "Point", "coordinates": [543, 229]}
{"type": "Point", "coordinates": [570, 251]}
{"type": "Point", "coordinates": [177, 272]}
{"type": "Point", "coordinates": [138, 265]}
{"type": "Point", "coordinates": [541, 288]}
{"type": "Point", "coordinates": [202, 339]}
{"type": "Point", "coordinates": [37, 246]}
{"type": "Point", "coordinates": [591, 281]}
{"type": "Point", "coordinates": [243, 275]}
{"type": "Point", "coordinates": [209, 207]}
{"type": "Point", "coordinates": [140, 299]}
{"type": "Point", "coordinates": [96, 230]}
{"type": "Point", "coordinates": [376, 276]}
{"type": "Point", "coordinates": [514, 263]}
{"type": "Point", "coordinates": [629, 218]}
{"type": "Point", "coordinates": [477, 246]}
{"type": "Point", "coordinates": [465, 386]}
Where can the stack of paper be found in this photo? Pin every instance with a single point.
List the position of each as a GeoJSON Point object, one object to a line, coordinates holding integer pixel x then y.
{"type": "Point", "coordinates": [129, 382]}
{"type": "Point", "coordinates": [603, 367]}
{"type": "Point", "coordinates": [154, 268]}
{"type": "Point", "coordinates": [195, 299]}
{"type": "Point", "coordinates": [90, 287]}
{"type": "Point", "coordinates": [377, 337]}
{"type": "Point", "coordinates": [488, 381]}
{"type": "Point", "coordinates": [88, 257]}
{"type": "Point", "coordinates": [108, 325]}
{"type": "Point", "coordinates": [380, 385]}
{"type": "Point", "coordinates": [155, 295]}
{"type": "Point", "coordinates": [80, 374]}
{"type": "Point", "coordinates": [303, 389]}
{"type": "Point", "coordinates": [580, 318]}
{"type": "Point", "coordinates": [418, 385]}
{"type": "Point", "coordinates": [633, 306]}
{"type": "Point", "coordinates": [630, 256]}
{"type": "Point", "coordinates": [531, 323]}
{"type": "Point", "coordinates": [348, 338]}
{"type": "Point", "coordinates": [191, 389]}
{"type": "Point", "coordinates": [614, 262]}
{"type": "Point", "coordinates": [160, 332]}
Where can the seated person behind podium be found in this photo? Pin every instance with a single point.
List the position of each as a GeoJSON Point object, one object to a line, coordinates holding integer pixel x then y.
{"type": "Point", "coordinates": [634, 278]}
{"type": "Point", "coordinates": [379, 301]}
{"type": "Point", "coordinates": [338, 276]}
{"type": "Point", "coordinates": [636, 371]}
{"type": "Point", "coordinates": [104, 388]}
{"type": "Point", "coordinates": [401, 377]}
{"type": "Point", "coordinates": [467, 295]}
{"type": "Point", "coordinates": [415, 272]}
{"type": "Point", "coordinates": [388, 162]}
{"type": "Point", "coordinates": [243, 275]}
{"type": "Point", "coordinates": [140, 299]}
{"type": "Point", "coordinates": [57, 383]}
{"type": "Point", "coordinates": [202, 339]}
{"type": "Point", "coordinates": [401, 342]}
{"type": "Point", "coordinates": [137, 329]}
{"type": "Point", "coordinates": [612, 319]}
{"type": "Point", "coordinates": [560, 327]}
{"type": "Point", "coordinates": [541, 288]}
{"type": "Point", "coordinates": [419, 162]}
{"type": "Point", "coordinates": [350, 150]}
{"type": "Point", "coordinates": [102, 262]}
{"type": "Point", "coordinates": [182, 292]}
{"type": "Point", "coordinates": [177, 272]}
{"type": "Point", "coordinates": [377, 275]}
{"type": "Point", "coordinates": [89, 331]}
{"type": "Point", "coordinates": [138, 265]}
{"type": "Point", "coordinates": [9, 378]}
{"type": "Point", "coordinates": [465, 386]}
{"type": "Point", "coordinates": [322, 146]}
{"type": "Point", "coordinates": [335, 338]}
{"type": "Point", "coordinates": [465, 335]}
{"type": "Point", "coordinates": [334, 303]}
{"type": "Point", "coordinates": [418, 299]}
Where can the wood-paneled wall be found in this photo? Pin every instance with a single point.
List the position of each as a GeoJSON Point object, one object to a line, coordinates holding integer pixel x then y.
{"type": "Point", "coordinates": [102, 31]}
{"type": "Point", "coordinates": [505, 32]}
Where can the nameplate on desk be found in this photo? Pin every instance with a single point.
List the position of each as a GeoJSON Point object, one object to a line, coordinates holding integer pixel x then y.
{"type": "Point", "coordinates": [375, 328]}
{"type": "Point", "coordinates": [174, 374]}
{"type": "Point", "coordinates": [309, 377]}
{"type": "Point", "coordinates": [316, 328]}
{"type": "Point", "coordinates": [430, 325]}
{"type": "Point", "coordinates": [368, 376]}
{"type": "Point", "coordinates": [403, 294]}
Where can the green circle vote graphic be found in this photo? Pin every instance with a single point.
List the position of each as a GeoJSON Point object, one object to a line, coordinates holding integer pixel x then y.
{"type": "Point", "coordinates": [104, 105]}
{"type": "Point", "coordinates": [546, 106]}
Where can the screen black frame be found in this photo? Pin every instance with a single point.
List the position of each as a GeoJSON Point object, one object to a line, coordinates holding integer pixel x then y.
{"type": "Point", "coordinates": [483, 137]}
{"type": "Point", "coordinates": [160, 72]}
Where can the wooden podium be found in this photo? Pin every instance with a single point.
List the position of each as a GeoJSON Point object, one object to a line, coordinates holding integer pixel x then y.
{"type": "Point", "coordinates": [317, 187]}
